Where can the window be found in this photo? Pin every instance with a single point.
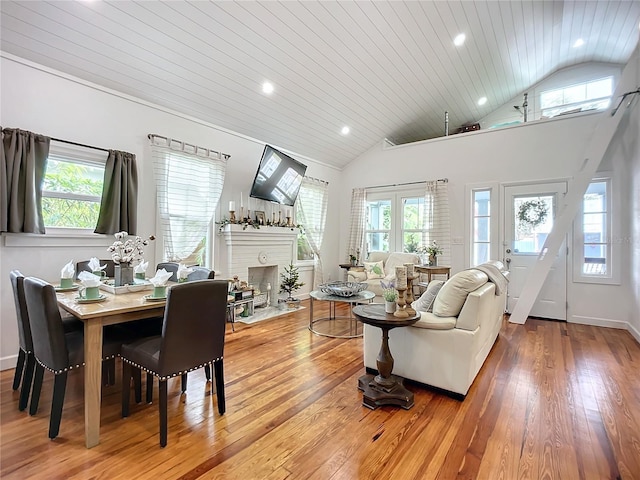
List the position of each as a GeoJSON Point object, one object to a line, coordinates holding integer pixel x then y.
{"type": "Point", "coordinates": [395, 221]}
{"type": "Point", "coordinates": [594, 95]}
{"type": "Point", "coordinates": [311, 213]}
{"type": "Point", "coordinates": [481, 235]}
{"type": "Point", "coordinates": [594, 229]}
{"type": "Point", "coordinates": [72, 187]}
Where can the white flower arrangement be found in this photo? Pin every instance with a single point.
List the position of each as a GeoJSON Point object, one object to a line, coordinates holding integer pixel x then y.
{"type": "Point", "coordinates": [127, 248]}
{"type": "Point", "coordinates": [432, 250]}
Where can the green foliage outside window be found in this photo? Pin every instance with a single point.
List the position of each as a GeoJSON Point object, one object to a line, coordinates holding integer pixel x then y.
{"type": "Point", "coordinates": [65, 180]}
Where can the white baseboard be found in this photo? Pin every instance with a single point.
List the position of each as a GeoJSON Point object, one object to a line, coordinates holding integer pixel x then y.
{"type": "Point", "coordinates": [635, 333]}
{"type": "Point", "coordinates": [9, 362]}
{"type": "Point", "coordinates": [598, 322]}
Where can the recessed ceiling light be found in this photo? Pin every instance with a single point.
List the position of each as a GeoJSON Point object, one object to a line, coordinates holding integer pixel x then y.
{"type": "Point", "coordinates": [578, 43]}
{"type": "Point", "coordinates": [459, 40]}
{"type": "Point", "coordinates": [267, 88]}
{"type": "Point", "coordinates": [482, 101]}
{"type": "Point", "coordinates": [345, 130]}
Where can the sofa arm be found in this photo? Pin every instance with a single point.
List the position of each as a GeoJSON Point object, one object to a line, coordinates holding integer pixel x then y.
{"type": "Point", "coordinates": [477, 307]}
{"type": "Point", "coordinates": [354, 275]}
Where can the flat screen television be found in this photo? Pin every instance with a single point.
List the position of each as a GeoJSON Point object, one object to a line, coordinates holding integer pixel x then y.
{"type": "Point", "coordinates": [278, 178]}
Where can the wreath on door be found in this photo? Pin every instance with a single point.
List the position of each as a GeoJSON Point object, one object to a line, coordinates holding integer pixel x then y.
{"type": "Point", "coordinates": [532, 213]}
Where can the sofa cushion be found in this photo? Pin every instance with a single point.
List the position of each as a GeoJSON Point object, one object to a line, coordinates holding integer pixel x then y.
{"type": "Point", "coordinates": [425, 302]}
{"type": "Point", "coordinates": [433, 322]}
{"type": "Point", "coordinates": [374, 270]}
{"type": "Point", "coordinates": [398, 259]}
{"type": "Point", "coordinates": [453, 293]}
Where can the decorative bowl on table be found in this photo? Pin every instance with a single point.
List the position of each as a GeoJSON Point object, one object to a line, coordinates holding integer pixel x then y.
{"type": "Point", "coordinates": [343, 289]}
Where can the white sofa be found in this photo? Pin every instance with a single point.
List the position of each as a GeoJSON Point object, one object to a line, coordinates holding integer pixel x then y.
{"type": "Point", "coordinates": [448, 351]}
{"type": "Point", "coordinates": [390, 262]}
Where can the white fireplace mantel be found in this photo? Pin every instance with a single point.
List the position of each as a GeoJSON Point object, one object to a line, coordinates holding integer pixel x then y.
{"type": "Point", "coordinates": [257, 247]}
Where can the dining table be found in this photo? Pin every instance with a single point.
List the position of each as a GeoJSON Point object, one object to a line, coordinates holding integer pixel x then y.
{"type": "Point", "coordinates": [108, 309]}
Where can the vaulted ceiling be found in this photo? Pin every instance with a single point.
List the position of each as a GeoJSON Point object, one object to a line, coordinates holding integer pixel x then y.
{"type": "Point", "coordinates": [384, 68]}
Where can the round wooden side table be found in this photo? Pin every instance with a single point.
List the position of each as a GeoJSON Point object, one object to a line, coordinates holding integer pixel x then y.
{"type": "Point", "coordinates": [384, 388]}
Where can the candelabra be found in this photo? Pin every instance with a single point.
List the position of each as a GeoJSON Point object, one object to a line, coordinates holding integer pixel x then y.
{"type": "Point", "coordinates": [401, 304]}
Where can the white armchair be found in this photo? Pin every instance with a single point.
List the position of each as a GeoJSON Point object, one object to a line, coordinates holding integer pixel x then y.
{"type": "Point", "coordinates": [390, 261]}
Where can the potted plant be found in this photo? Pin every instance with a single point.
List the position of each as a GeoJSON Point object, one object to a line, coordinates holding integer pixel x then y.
{"type": "Point", "coordinates": [289, 284]}
{"type": "Point", "coordinates": [390, 295]}
{"type": "Point", "coordinates": [433, 250]}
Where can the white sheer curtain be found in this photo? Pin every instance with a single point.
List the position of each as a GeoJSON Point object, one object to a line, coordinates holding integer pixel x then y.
{"type": "Point", "coordinates": [358, 213]}
{"type": "Point", "coordinates": [311, 213]}
{"type": "Point", "coordinates": [189, 182]}
{"type": "Point", "coordinates": [436, 219]}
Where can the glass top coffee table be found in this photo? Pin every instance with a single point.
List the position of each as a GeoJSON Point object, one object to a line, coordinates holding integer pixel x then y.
{"type": "Point", "coordinates": [333, 325]}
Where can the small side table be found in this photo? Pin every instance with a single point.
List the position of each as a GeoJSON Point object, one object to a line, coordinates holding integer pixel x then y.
{"type": "Point", "coordinates": [431, 270]}
{"type": "Point", "coordinates": [346, 267]}
{"type": "Point", "coordinates": [330, 326]}
{"type": "Point", "coordinates": [384, 388]}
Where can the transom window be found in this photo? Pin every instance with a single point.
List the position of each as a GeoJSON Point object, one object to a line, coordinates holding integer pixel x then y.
{"type": "Point", "coordinates": [72, 187]}
{"type": "Point", "coordinates": [593, 95]}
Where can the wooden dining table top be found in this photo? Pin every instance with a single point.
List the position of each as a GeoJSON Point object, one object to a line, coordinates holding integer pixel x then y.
{"type": "Point", "coordinates": [112, 305]}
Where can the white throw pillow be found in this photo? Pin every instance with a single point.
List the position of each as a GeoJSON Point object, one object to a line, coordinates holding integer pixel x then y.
{"type": "Point", "coordinates": [425, 302]}
{"type": "Point", "coordinates": [374, 270]}
{"type": "Point", "coordinates": [453, 293]}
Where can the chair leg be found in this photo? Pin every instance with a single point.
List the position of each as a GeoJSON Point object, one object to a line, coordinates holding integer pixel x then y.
{"type": "Point", "coordinates": [183, 381]}
{"type": "Point", "coordinates": [126, 388]}
{"type": "Point", "coordinates": [149, 388]}
{"type": "Point", "coordinates": [27, 380]}
{"type": "Point", "coordinates": [137, 383]}
{"type": "Point", "coordinates": [207, 371]}
{"type": "Point", "coordinates": [163, 412]}
{"type": "Point", "coordinates": [218, 368]}
{"type": "Point", "coordinates": [59, 387]}
{"type": "Point", "coordinates": [111, 369]}
{"type": "Point", "coordinates": [17, 376]}
{"type": "Point", "coordinates": [37, 387]}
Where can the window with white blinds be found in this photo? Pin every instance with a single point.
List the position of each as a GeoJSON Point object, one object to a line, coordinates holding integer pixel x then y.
{"type": "Point", "coordinates": [189, 183]}
{"type": "Point", "coordinates": [311, 214]}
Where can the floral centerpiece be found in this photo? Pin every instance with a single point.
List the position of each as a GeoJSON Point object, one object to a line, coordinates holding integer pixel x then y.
{"type": "Point", "coordinates": [124, 251]}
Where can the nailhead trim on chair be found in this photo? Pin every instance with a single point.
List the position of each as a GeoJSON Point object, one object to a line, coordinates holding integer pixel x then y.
{"type": "Point", "coordinates": [71, 367]}
{"type": "Point", "coordinates": [173, 374]}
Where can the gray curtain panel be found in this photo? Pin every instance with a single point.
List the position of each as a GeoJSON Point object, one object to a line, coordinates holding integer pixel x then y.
{"type": "Point", "coordinates": [23, 163]}
{"type": "Point", "coordinates": [119, 204]}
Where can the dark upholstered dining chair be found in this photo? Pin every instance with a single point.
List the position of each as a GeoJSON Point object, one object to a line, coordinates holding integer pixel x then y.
{"type": "Point", "coordinates": [26, 361]}
{"type": "Point", "coordinates": [199, 273]}
{"type": "Point", "coordinates": [54, 349]}
{"type": "Point", "coordinates": [192, 336]}
{"type": "Point", "coordinates": [110, 270]}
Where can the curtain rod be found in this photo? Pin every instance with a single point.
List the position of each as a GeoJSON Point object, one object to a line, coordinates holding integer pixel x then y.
{"type": "Point", "coordinates": [443, 180]}
{"type": "Point", "coordinates": [153, 136]}
{"type": "Point", "coordinates": [316, 179]}
{"type": "Point", "coordinates": [79, 144]}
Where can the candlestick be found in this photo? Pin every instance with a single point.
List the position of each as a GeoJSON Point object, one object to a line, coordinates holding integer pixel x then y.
{"type": "Point", "coordinates": [410, 269]}
{"type": "Point", "coordinates": [232, 216]}
{"type": "Point", "coordinates": [400, 304]}
{"type": "Point", "coordinates": [401, 277]}
{"type": "Point", "coordinates": [409, 309]}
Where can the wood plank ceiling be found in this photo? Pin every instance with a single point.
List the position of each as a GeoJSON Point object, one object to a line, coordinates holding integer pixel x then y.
{"type": "Point", "coordinates": [384, 68]}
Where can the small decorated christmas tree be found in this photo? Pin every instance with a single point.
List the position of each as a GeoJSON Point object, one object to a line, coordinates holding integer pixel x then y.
{"type": "Point", "coordinates": [290, 281]}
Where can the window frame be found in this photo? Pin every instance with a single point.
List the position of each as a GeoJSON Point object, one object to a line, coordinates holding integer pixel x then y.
{"type": "Point", "coordinates": [76, 154]}
{"type": "Point", "coordinates": [568, 106]}
{"type": "Point", "coordinates": [612, 221]}
{"type": "Point", "coordinates": [494, 220]}
{"type": "Point", "coordinates": [396, 229]}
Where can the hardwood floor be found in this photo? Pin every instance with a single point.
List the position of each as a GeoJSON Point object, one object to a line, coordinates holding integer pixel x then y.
{"type": "Point", "coordinates": [553, 401]}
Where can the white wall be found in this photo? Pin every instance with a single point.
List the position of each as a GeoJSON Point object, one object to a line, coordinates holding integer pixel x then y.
{"type": "Point", "coordinates": [40, 100]}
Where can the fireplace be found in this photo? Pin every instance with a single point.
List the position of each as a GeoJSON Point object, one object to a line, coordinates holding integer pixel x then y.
{"type": "Point", "coordinates": [258, 256]}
